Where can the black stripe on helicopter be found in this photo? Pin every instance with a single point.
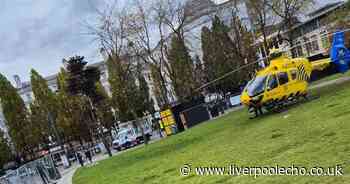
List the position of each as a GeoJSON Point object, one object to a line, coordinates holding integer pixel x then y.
{"type": "Point", "coordinates": [302, 74]}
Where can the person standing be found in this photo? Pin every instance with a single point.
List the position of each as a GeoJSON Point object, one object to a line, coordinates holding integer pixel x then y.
{"type": "Point", "coordinates": [88, 155]}
{"type": "Point", "coordinates": [80, 159]}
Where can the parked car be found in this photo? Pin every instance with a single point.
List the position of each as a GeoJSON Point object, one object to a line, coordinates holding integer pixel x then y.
{"type": "Point", "coordinates": [97, 149]}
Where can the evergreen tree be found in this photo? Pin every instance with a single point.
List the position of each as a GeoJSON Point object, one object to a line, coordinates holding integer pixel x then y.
{"type": "Point", "coordinates": [208, 54]}
{"type": "Point", "coordinates": [15, 114]}
{"type": "Point", "coordinates": [44, 96]}
{"type": "Point", "coordinates": [70, 112]}
{"type": "Point", "coordinates": [218, 55]}
{"type": "Point", "coordinates": [44, 103]}
{"type": "Point", "coordinates": [104, 108]}
{"type": "Point", "coordinates": [141, 102]}
{"type": "Point", "coordinates": [5, 150]}
{"type": "Point", "coordinates": [122, 82]}
{"type": "Point", "coordinates": [71, 118]}
{"type": "Point", "coordinates": [82, 81]}
{"type": "Point", "coordinates": [244, 50]}
{"type": "Point", "coordinates": [199, 73]}
{"type": "Point", "coordinates": [224, 50]}
{"type": "Point", "coordinates": [144, 103]}
{"type": "Point", "coordinates": [158, 89]}
{"type": "Point", "coordinates": [38, 122]}
{"type": "Point", "coordinates": [131, 101]}
{"type": "Point", "coordinates": [182, 69]}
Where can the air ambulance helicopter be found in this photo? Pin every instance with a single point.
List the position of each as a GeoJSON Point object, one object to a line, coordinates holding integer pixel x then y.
{"type": "Point", "coordinates": [286, 79]}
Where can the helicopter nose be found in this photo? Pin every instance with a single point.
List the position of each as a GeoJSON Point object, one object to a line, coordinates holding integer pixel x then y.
{"type": "Point", "coordinates": [245, 99]}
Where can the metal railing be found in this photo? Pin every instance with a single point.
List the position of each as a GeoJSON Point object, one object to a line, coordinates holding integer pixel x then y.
{"type": "Point", "coordinates": [41, 171]}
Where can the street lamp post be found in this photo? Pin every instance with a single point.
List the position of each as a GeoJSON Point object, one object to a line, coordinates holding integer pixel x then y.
{"type": "Point", "coordinates": [59, 141]}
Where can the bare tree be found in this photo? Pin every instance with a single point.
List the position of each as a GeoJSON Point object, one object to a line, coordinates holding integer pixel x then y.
{"type": "Point", "coordinates": [172, 17]}
{"type": "Point", "coordinates": [144, 31]}
{"type": "Point", "coordinates": [288, 11]}
{"type": "Point", "coordinates": [175, 15]}
{"type": "Point", "coordinates": [150, 26]}
{"type": "Point", "coordinates": [110, 29]}
{"type": "Point", "coordinates": [146, 39]}
{"type": "Point", "coordinates": [260, 15]}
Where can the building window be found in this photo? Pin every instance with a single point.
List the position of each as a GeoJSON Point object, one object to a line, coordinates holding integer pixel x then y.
{"type": "Point", "coordinates": [325, 42]}
{"type": "Point", "coordinates": [29, 97]}
{"type": "Point", "coordinates": [308, 46]}
{"type": "Point", "coordinates": [314, 43]}
{"type": "Point", "coordinates": [298, 50]}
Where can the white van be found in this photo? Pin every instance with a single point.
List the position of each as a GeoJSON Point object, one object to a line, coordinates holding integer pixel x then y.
{"type": "Point", "coordinates": [130, 137]}
{"type": "Point", "coordinates": [125, 139]}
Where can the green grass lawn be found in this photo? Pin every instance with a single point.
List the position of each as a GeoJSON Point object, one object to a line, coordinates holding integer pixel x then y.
{"type": "Point", "coordinates": [316, 133]}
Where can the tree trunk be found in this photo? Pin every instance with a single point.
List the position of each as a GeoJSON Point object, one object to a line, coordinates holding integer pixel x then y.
{"type": "Point", "coordinates": [52, 121]}
{"type": "Point", "coordinates": [100, 132]}
{"type": "Point", "coordinates": [105, 143]}
{"type": "Point", "coordinates": [164, 90]}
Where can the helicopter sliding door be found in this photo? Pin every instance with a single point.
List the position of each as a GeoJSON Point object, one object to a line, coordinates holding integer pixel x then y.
{"type": "Point", "coordinates": [283, 81]}
{"type": "Point", "coordinates": [273, 91]}
{"type": "Point", "coordinates": [293, 84]}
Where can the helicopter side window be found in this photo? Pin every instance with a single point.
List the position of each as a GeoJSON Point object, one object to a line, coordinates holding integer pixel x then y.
{"type": "Point", "coordinates": [283, 78]}
{"type": "Point", "coordinates": [293, 74]}
{"type": "Point", "coordinates": [272, 84]}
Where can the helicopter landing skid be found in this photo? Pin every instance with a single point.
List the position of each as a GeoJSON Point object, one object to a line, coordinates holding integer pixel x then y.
{"type": "Point", "coordinates": [281, 106]}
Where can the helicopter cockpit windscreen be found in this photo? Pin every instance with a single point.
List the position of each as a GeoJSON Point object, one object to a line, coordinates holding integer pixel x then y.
{"type": "Point", "coordinates": [256, 86]}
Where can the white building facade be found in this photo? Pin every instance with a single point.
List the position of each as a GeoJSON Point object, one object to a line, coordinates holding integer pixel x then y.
{"type": "Point", "coordinates": [310, 37]}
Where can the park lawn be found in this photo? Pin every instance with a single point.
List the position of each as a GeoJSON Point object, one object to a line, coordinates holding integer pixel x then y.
{"type": "Point", "coordinates": [315, 133]}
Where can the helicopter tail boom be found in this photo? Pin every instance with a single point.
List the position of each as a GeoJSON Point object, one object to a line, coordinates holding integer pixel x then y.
{"type": "Point", "coordinates": [339, 54]}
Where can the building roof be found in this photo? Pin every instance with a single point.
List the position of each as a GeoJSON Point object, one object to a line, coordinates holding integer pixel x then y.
{"type": "Point", "coordinates": [320, 12]}
{"type": "Point", "coordinates": [311, 16]}
{"type": "Point", "coordinates": [325, 8]}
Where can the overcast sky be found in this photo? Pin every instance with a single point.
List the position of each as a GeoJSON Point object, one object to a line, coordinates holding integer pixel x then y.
{"type": "Point", "coordinates": [40, 33]}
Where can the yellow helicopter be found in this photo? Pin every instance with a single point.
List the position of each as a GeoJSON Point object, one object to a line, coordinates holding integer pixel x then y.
{"type": "Point", "coordinates": [286, 79]}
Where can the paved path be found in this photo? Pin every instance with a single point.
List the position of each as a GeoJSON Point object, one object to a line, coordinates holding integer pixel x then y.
{"type": "Point", "coordinates": [327, 83]}
{"type": "Point", "coordinates": [67, 175]}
